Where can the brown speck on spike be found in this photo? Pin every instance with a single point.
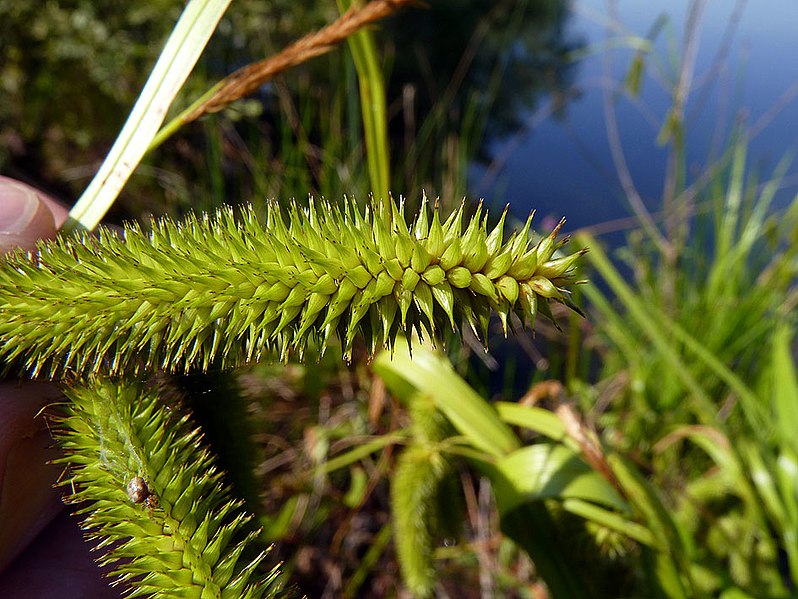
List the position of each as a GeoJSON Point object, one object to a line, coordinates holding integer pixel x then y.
{"type": "Point", "coordinates": [137, 490]}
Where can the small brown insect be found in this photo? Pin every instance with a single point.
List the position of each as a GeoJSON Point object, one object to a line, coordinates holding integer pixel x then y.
{"type": "Point", "coordinates": [151, 502]}
{"type": "Point", "coordinates": [137, 490]}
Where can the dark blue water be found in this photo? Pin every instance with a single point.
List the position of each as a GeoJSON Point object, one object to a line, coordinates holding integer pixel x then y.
{"type": "Point", "coordinates": [746, 71]}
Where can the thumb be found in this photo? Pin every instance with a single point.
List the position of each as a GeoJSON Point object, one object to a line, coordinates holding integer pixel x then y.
{"type": "Point", "coordinates": [24, 217]}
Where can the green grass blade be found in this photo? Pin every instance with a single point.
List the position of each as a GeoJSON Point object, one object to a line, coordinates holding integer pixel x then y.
{"type": "Point", "coordinates": [182, 50]}
{"type": "Point", "coordinates": [787, 474]}
{"type": "Point", "coordinates": [760, 471]}
{"type": "Point", "coordinates": [649, 323]}
{"type": "Point", "coordinates": [729, 222]}
{"type": "Point", "coordinates": [431, 374]}
{"type": "Point", "coordinates": [369, 563]}
{"type": "Point", "coordinates": [785, 406]}
{"type": "Point", "coordinates": [361, 451]}
{"type": "Point", "coordinates": [664, 333]}
{"type": "Point", "coordinates": [535, 419]}
{"type": "Point", "coordinates": [372, 105]}
{"type": "Point", "coordinates": [785, 388]}
{"type": "Point", "coordinates": [749, 401]}
{"type": "Point", "coordinates": [610, 519]}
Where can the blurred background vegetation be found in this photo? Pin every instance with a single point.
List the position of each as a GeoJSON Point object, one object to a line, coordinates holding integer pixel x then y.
{"type": "Point", "coordinates": [71, 71]}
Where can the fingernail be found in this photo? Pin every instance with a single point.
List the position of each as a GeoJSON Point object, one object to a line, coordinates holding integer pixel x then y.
{"type": "Point", "coordinates": [23, 218]}
{"type": "Point", "coordinates": [17, 208]}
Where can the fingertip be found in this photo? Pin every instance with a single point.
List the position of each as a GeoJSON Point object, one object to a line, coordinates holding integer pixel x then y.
{"type": "Point", "coordinates": [24, 217]}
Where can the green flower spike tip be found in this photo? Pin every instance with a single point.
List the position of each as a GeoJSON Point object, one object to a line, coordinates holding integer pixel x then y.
{"type": "Point", "coordinates": [223, 290]}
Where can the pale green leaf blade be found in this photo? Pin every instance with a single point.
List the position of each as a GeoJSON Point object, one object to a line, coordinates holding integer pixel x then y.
{"type": "Point", "coordinates": [373, 106]}
{"type": "Point", "coordinates": [535, 419]}
{"type": "Point", "coordinates": [549, 471]}
{"type": "Point", "coordinates": [610, 519]}
{"type": "Point", "coordinates": [430, 373]}
{"type": "Point", "coordinates": [182, 50]}
{"type": "Point", "coordinates": [785, 388]}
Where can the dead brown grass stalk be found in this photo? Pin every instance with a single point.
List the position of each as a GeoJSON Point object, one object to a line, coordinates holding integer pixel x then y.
{"type": "Point", "coordinates": [247, 79]}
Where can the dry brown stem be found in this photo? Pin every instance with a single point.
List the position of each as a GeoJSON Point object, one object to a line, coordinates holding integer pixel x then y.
{"type": "Point", "coordinates": [247, 79]}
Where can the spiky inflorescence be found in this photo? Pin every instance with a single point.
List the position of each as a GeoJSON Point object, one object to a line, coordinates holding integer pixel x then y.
{"type": "Point", "coordinates": [418, 492]}
{"type": "Point", "coordinates": [223, 291]}
{"type": "Point", "coordinates": [156, 504]}
{"type": "Point", "coordinates": [414, 485]}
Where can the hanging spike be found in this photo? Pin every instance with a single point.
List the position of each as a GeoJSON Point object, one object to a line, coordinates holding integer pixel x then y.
{"type": "Point", "coordinates": [224, 291]}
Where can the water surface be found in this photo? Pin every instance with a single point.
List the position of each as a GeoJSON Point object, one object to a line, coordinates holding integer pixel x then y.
{"type": "Point", "coordinates": [745, 73]}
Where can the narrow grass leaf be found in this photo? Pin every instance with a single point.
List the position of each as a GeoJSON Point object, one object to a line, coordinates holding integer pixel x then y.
{"type": "Point", "coordinates": [372, 105]}
{"type": "Point", "coordinates": [610, 519]}
{"type": "Point", "coordinates": [182, 50]}
{"type": "Point", "coordinates": [362, 450]}
{"type": "Point", "coordinates": [648, 317]}
{"type": "Point", "coordinates": [785, 388]}
{"type": "Point", "coordinates": [535, 419]}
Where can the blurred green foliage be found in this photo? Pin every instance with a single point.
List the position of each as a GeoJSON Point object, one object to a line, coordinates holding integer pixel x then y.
{"type": "Point", "coordinates": [70, 71]}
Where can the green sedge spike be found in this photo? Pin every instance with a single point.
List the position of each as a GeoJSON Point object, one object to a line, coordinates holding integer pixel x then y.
{"type": "Point", "coordinates": [420, 469]}
{"type": "Point", "coordinates": [153, 500]}
{"type": "Point", "coordinates": [420, 488]}
{"type": "Point", "coordinates": [222, 290]}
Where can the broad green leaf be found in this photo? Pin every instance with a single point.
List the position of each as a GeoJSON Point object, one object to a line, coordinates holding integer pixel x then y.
{"type": "Point", "coordinates": [432, 374]}
{"type": "Point", "coordinates": [549, 471]}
